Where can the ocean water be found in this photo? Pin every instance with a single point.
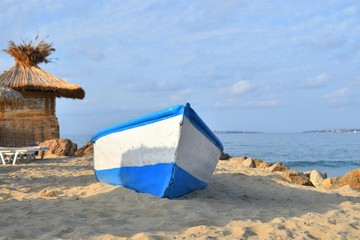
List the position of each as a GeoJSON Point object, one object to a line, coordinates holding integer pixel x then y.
{"type": "Point", "coordinates": [333, 153]}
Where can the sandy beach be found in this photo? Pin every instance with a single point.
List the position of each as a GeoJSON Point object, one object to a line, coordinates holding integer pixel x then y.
{"type": "Point", "coordinates": [60, 198]}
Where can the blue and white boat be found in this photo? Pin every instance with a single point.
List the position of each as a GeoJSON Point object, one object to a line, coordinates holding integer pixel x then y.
{"type": "Point", "coordinates": [167, 153]}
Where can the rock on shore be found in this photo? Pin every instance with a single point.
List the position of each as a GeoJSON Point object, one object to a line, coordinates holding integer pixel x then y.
{"type": "Point", "coordinates": [59, 147]}
{"type": "Point", "coordinates": [313, 178]}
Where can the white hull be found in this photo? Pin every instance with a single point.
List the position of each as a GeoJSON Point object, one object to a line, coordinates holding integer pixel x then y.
{"type": "Point", "coordinates": [167, 157]}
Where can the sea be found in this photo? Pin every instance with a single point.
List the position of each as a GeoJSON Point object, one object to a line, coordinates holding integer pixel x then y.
{"type": "Point", "coordinates": [333, 153]}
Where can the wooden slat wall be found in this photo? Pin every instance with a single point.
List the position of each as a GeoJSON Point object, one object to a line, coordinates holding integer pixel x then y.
{"type": "Point", "coordinates": [27, 131]}
{"type": "Point", "coordinates": [33, 123]}
{"type": "Point", "coordinates": [36, 104]}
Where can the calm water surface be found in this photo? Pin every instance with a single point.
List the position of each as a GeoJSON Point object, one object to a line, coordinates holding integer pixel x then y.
{"type": "Point", "coordinates": [334, 153]}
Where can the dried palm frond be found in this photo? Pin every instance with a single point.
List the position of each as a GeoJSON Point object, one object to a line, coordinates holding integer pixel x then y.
{"type": "Point", "coordinates": [30, 53]}
{"type": "Point", "coordinates": [25, 75]}
{"type": "Point", "coordinates": [32, 78]}
{"type": "Point", "coordinates": [10, 98]}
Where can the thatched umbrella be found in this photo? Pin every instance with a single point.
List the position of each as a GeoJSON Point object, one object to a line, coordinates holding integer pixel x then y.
{"type": "Point", "coordinates": [25, 75]}
{"type": "Point", "coordinates": [36, 121]}
{"type": "Point", "coordinates": [10, 98]}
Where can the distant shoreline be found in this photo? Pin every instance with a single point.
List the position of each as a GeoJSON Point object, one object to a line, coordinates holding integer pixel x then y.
{"type": "Point", "coordinates": [330, 130]}
{"type": "Point", "coordinates": [335, 130]}
{"type": "Point", "coordinates": [235, 132]}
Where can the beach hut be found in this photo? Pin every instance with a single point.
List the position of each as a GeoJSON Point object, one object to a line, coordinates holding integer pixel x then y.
{"type": "Point", "coordinates": [10, 98]}
{"type": "Point", "coordinates": [36, 120]}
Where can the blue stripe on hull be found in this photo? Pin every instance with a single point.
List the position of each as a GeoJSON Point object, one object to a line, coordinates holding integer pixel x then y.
{"type": "Point", "coordinates": [162, 180]}
{"type": "Point", "coordinates": [183, 183]}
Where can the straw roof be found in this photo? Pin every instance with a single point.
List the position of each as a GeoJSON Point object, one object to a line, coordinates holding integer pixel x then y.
{"type": "Point", "coordinates": [25, 75]}
{"type": "Point", "coordinates": [10, 98]}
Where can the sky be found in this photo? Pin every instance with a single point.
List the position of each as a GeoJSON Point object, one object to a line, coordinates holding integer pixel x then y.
{"type": "Point", "coordinates": [270, 66]}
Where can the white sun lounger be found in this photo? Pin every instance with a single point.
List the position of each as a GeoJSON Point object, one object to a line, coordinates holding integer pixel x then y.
{"type": "Point", "coordinates": [12, 154]}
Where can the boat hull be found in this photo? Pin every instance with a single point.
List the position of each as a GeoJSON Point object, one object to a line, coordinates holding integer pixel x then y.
{"type": "Point", "coordinates": [167, 154]}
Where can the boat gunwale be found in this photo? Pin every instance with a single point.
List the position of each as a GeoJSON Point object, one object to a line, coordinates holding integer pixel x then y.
{"type": "Point", "coordinates": [170, 112]}
{"type": "Point", "coordinates": [140, 121]}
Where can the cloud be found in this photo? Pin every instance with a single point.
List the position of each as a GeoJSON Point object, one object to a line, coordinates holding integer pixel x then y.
{"type": "Point", "coordinates": [263, 103]}
{"type": "Point", "coordinates": [352, 49]}
{"type": "Point", "coordinates": [258, 103]}
{"type": "Point", "coordinates": [337, 96]}
{"type": "Point", "coordinates": [350, 10]}
{"type": "Point", "coordinates": [356, 82]}
{"type": "Point", "coordinates": [91, 52]}
{"type": "Point", "coordinates": [331, 42]}
{"type": "Point", "coordinates": [142, 61]}
{"type": "Point", "coordinates": [146, 86]}
{"type": "Point", "coordinates": [225, 104]}
{"type": "Point", "coordinates": [240, 87]}
{"type": "Point", "coordinates": [317, 82]}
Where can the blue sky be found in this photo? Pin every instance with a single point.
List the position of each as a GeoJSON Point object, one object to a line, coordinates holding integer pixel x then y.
{"type": "Point", "coordinates": [278, 66]}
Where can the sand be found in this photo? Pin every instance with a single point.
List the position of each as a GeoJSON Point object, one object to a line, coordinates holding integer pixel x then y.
{"type": "Point", "coordinates": [61, 199]}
